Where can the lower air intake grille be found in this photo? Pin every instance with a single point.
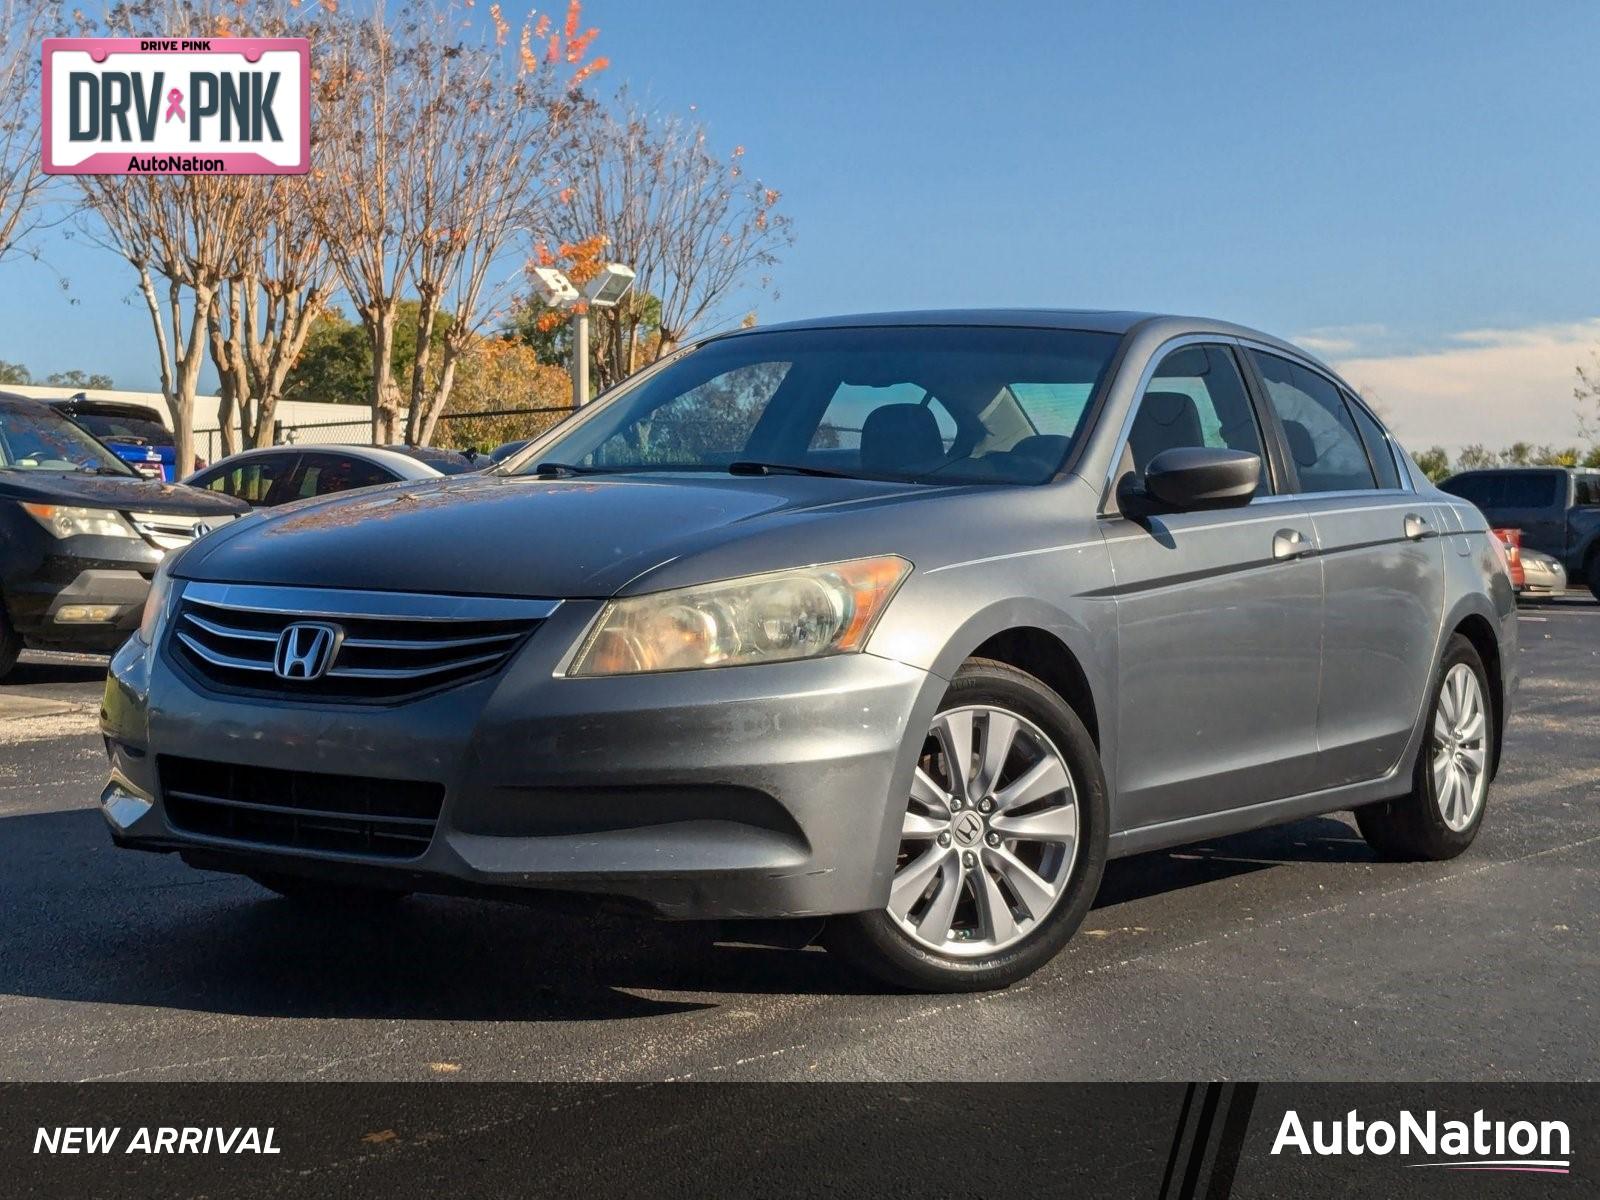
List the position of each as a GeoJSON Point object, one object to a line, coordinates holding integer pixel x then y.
{"type": "Point", "coordinates": [372, 648]}
{"type": "Point", "coordinates": [347, 814]}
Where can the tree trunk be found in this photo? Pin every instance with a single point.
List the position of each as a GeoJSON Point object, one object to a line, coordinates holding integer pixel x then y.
{"type": "Point", "coordinates": [385, 396]}
{"type": "Point", "coordinates": [441, 396]}
{"type": "Point", "coordinates": [227, 383]}
{"type": "Point", "coordinates": [421, 413]}
{"type": "Point", "coordinates": [188, 377]}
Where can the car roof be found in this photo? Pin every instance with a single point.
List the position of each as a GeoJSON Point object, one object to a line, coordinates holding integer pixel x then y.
{"type": "Point", "coordinates": [1090, 320]}
{"type": "Point", "coordinates": [401, 464]}
{"type": "Point", "coordinates": [1514, 468]}
{"type": "Point", "coordinates": [20, 401]}
{"type": "Point", "coordinates": [107, 408]}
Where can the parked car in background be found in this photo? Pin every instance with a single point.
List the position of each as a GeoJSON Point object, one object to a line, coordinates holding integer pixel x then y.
{"type": "Point", "coordinates": [446, 462]}
{"type": "Point", "coordinates": [276, 475]}
{"type": "Point", "coordinates": [909, 621]}
{"type": "Point", "coordinates": [1511, 539]}
{"type": "Point", "coordinates": [135, 433]}
{"type": "Point", "coordinates": [1543, 575]}
{"type": "Point", "coordinates": [506, 449]}
{"type": "Point", "coordinates": [1556, 508]}
{"type": "Point", "coordinates": [81, 533]}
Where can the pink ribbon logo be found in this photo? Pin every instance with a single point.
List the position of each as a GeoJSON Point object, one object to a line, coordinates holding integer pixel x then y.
{"type": "Point", "coordinates": [175, 105]}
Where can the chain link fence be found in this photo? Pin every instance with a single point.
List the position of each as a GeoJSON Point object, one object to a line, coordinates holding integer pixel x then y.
{"type": "Point", "coordinates": [480, 431]}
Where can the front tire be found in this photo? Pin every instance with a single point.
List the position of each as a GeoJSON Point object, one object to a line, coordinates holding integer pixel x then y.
{"type": "Point", "coordinates": [1591, 571]}
{"type": "Point", "coordinates": [1003, 841]}
{"type": "Point", "coordinates": [1449, 794]}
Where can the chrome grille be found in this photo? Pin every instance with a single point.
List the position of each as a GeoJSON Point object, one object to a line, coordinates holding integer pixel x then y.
{"type": "Point", "coordinates": [169, 531]}
{"type": "Point", "coordinates": [306, 810]}
{"type": "Point", "coordinates": [389, 646]}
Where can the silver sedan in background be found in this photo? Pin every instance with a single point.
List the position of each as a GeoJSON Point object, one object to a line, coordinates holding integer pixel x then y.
{"type": "Point", "coordinates": [1544, 578]}
{"type": "Point", "coordinates": [908, 621]}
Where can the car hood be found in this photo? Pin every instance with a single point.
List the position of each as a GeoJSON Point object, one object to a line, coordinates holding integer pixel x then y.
{"type": "Point", "coordinates": [522, 536]}
{"type": "Point", "coordinates": [124, 493]}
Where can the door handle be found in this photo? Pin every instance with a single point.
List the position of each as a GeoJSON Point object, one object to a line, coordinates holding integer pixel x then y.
{"type": "Point", "coordinates": [1291, 543]}
{"type": "Point", "coordinates": [1417, 528]}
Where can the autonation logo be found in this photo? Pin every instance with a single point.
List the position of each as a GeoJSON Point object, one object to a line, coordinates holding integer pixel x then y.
{"type": "Point", "coordinates": [1478, 1144]}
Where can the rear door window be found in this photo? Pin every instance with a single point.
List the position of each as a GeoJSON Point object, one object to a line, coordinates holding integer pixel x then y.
{"type": "Point", "coordinates": [1327, 450]}
{"type": "Point", "coordinates": [254, 479]}
{"type": "Point", "coordinates": [324, 474]}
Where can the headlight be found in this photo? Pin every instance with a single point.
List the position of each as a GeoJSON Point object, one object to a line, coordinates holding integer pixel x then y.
{"type": "Point", "coordinates": [156, 604]}
{"type": "Point", "coordinates": [784, 615]}
{"type": "Point", "coordinates": [66, 521]}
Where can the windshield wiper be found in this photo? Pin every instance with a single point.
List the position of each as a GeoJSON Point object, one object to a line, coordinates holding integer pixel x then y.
{"type": "Point", "coordinates": [555, 470]}
{"type": "Point", "coordinates": [744, 467]}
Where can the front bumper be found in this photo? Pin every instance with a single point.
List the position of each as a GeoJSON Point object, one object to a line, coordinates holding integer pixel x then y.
{"type": "Point", "coordinates": [759, 791]}
{"type": "Point", "coordinates": [108, 575]}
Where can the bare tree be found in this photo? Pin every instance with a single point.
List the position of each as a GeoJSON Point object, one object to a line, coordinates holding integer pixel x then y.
{"type": "Point", "coordinates": [367, 221]}
{"type": "Point", "coordinates": [185, 236]}
{"type": "Point", "coordinates": [1587, 394]}
{"type": "Point", "coordinates": [443, 133]}
{"type": "Point", "coordinates": [483, 161]}
{"type": "Point", "coordinates": [692, 225]}
{"type": "Point", "coordinates": [24, 24]}
{"type": "Point", "coordinates": [226, 264]}
{"type": "Point", "coordinates": [259, 323]}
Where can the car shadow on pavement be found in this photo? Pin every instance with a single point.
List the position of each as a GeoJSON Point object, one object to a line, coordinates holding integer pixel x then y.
{"type": "Point", "coordinates": [1317, 840]}
{"type": "Point", "coordinates": [89, 923]}
{"type": "Point", "coordinates": [31, 669]}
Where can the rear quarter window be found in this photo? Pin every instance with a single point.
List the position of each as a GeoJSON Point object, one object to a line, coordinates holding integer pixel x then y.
{"type": "Point", "coordinates": [1376, 441]}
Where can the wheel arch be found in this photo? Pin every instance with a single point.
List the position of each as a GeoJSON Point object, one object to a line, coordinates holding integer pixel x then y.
{"type": "Point", "coordinates": [1072, 653]}
{"type": "Point", "coordinates": [1478, 630]}
{"type": "Point", "coordinates": [1051, 661]}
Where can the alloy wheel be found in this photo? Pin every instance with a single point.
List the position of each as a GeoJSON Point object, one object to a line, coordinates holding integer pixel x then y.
{"type": "Point", "coordinates": [990, 833]}
{"type": "Point", "coordinates": [1460, 747]}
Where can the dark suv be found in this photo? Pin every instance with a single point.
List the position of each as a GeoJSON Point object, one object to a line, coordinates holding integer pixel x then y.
{"type": "Point", "coordinates": [1557, 509]}
{"type": "Point", "coordinates": [81, 533]}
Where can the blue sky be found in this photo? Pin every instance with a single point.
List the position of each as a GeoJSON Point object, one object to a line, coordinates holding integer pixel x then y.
{"type": "Point", "coordinates": [1380, 179]}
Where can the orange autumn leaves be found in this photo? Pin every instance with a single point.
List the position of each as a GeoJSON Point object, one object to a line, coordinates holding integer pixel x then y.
{"type": "Point", "coordinates": [579, 262]}
{"type": "Point", "coordinates": [553, 46]}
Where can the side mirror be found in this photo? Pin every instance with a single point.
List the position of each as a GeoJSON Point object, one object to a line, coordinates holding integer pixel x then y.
{"type": "Point", "coordinates": [1192, 477]}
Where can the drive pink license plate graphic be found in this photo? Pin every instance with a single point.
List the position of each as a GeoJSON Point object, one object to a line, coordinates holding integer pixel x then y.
{"type": "Point", "coordinates": [184, 106]}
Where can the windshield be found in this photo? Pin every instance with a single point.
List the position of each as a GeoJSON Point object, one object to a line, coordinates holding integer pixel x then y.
{"type": "Point", "coordinates": [36, 438]}
{"type": "Point", "coordinates": [936, 404]}
{"type": "Point", "coordinates": [115, 428]}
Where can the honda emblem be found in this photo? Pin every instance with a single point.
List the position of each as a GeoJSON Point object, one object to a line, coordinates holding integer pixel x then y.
{"type": "Point", "coordinates": [305, 650]}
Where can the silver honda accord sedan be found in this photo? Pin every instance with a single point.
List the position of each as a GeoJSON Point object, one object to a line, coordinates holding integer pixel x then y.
{"type": "Point", "coordinates": [908, 621]}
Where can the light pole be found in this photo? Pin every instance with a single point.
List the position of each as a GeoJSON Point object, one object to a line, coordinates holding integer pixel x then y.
{"type": "Point", "coordinates": [605, 290]}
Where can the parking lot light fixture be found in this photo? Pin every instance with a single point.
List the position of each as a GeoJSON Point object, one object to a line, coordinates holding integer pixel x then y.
{"type": "Point", "coordinates": [605, 290]}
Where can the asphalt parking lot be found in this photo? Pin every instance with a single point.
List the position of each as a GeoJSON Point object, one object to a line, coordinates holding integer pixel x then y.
{"type": "Point", "coordinates": [1286, 954]}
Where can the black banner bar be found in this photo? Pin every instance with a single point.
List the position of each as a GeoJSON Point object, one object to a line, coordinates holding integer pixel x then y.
{"type": "Point", "coordinates": [1167, 1141]}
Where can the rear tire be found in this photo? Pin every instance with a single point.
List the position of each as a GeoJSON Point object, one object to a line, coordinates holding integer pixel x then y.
{"type": "Point", "coordinates": [998, 868]}
{"type": "Point", "coordinates": [322, 893]}
{"type": "Point", "coordinates": [1591, 572]}
{"type": "Point", "coordinates": [1449, 794]}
